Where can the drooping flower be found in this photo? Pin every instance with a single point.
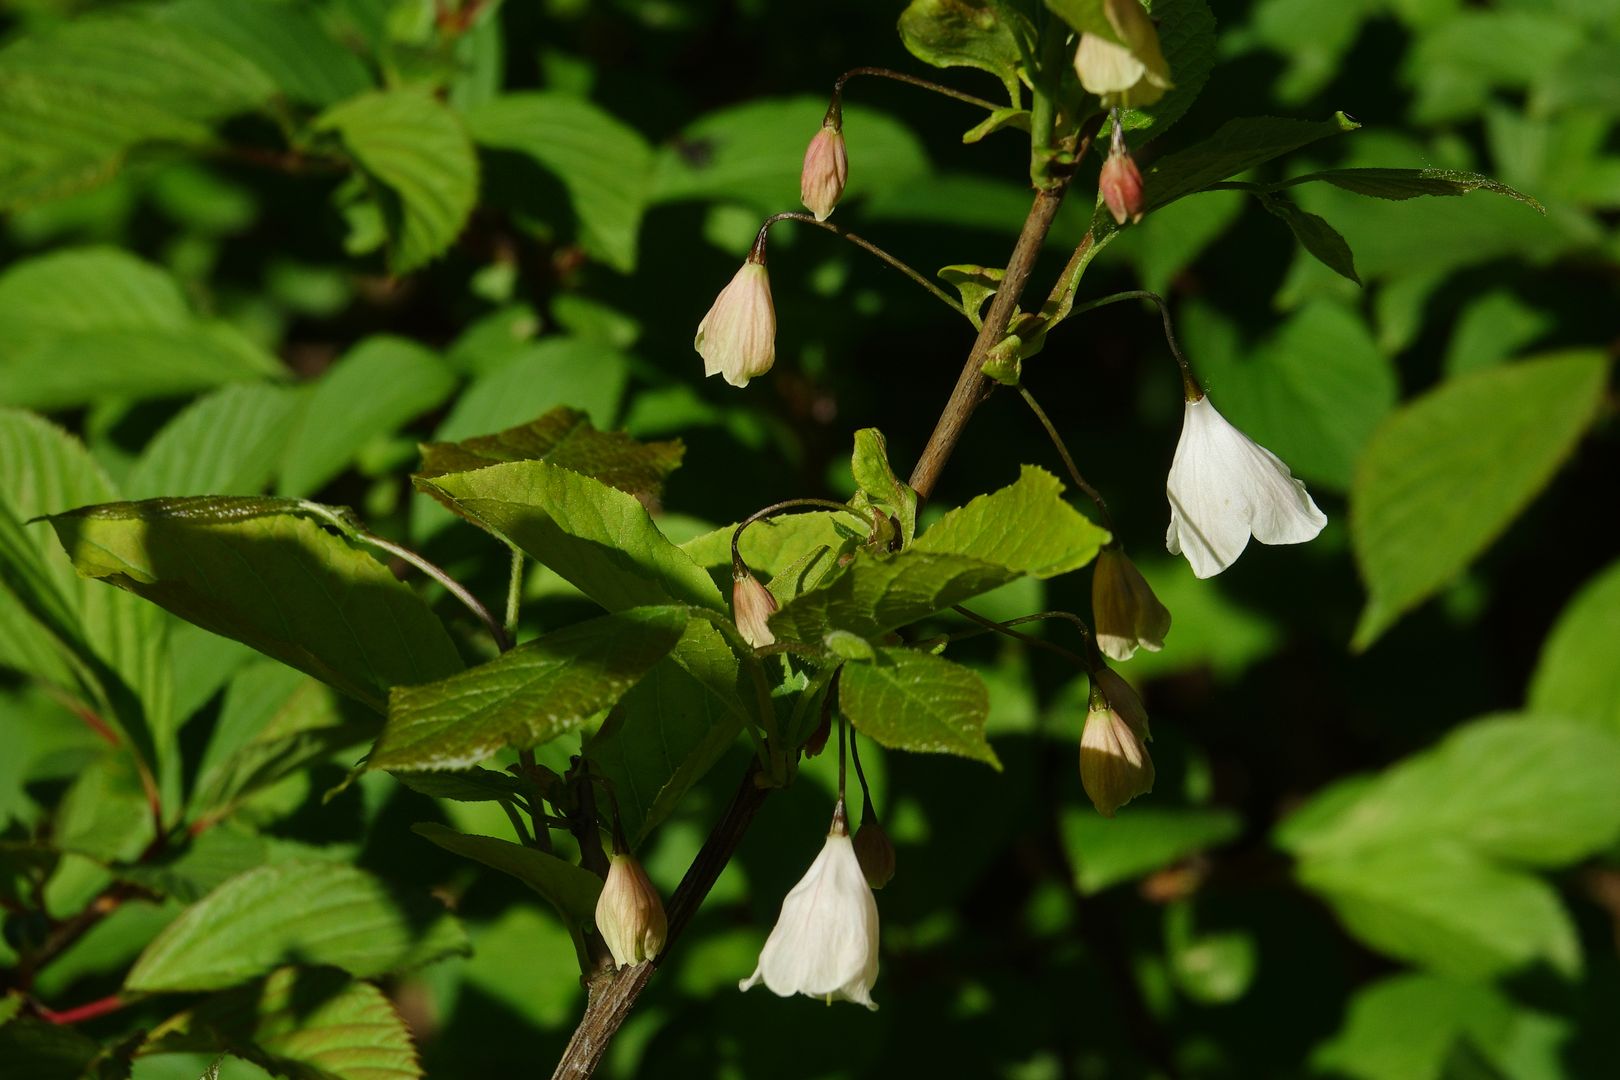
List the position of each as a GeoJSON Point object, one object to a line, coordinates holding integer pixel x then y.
{"type": "Point", "coordinates": [737, 338]}
{"type": "Point", "coordinates": [825, 942]}
{"type": "Point", "coordinates": [1121, 181]}
{"type": "Point", "coordinates": [1224, 487]}
{"type": "Point", "coordinates": [1127, 614]}
{"type": "Point", "coordinates": [629, 915]}
{"type": "Point", "coordinates": [825, 172]}
{"type": "Point", "coordinates": [751, 608]}
{"type": "Point", "coordinates": [1130, 73]}
{"type": "Point", "coordinates": [1114, 763]}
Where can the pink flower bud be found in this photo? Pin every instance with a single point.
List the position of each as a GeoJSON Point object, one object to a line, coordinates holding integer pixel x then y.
{"type": "Point", "coordinates": [826, 170]}
{"type": "Point", "coordinates": [1121, 184]}
{"type": "Point", "coordinates": [737, 338]}
{"type": "Point", "coordinates": [752, 606]}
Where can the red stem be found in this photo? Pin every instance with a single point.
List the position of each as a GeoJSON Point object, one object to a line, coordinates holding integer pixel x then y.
{"type": "Point", "coordinates": [88, 1011]}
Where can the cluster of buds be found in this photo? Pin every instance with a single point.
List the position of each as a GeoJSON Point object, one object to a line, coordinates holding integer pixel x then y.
{"type": "Point", "coordinates": [825, 941]}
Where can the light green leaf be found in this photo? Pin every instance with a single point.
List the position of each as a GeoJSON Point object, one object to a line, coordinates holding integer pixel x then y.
{"type": "Point", "coordinates": [83, 324]}
{"type": "Point", "coordinates": [568, 888]}
{"type": "Point", "coordinates": [530, 695]}
{"type": "Point", "coordinates": [1437, 904]}
{"type": "Point", "coordinates": [565, 438]}
{"type": "Point", "coordinates": [1107, 851]}
{"type": "Point", "coordinates": [1441, 478]}
{"type": "Point", "coordinates": [670, 729]}
{"type": "Point", "coordinates": [597, 537]}
{"type": "Point", "coordinates": [227, 443]}
{"type": "Point", "coordinates": [371, 391]}
{"type": "Point", "coordinates": [605, 165]}
{"type": "Point", "coordinates": [910, 700]}
{"type": "Point", "coordinates": [1578, 675]}
{"type": "Point", "coordinates": [976, 284]}
{"type": "Point", "coordinates": [417, 150]}
{"type": "Point", "coordinates": [1492, 328]}
{"type": "Point", "coordinates": [776, 543]}
{"type": "Point", "coordinates": [752, 153]}
{"type": "Point", "coordinates": [1316, 236]}
{"type": "Point", "coordinates": [874, 477]}
{"type": "Point", "coordinates": [1532, 790]}
{"type": "Point", "coordinates": [1026, 526]}
{"type": "Point", "coordinates": [967, 33]}
{"type": "Point", "coordinates": [308, 1024]}
{"type": "Point", "coordinates": [257, 571]}
{"type": "Point", "coordinates": [304, 912]}
{"type": "Point", "coordinates": [533, 379]}
{"type": "Point", "coordinates": [205, 863]}
{"type": "Point", "coordinates": [1236, 146]}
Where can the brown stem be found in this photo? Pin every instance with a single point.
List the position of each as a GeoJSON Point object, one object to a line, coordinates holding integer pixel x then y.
{"type": "Point", "coordinates": [612, 994]}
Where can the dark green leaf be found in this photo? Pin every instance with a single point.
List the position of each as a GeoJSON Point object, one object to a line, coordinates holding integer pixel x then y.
{"type": "Point", "coordinates": [1187, 36]}
{"type": "Point", "coordinates": [605, 165]}
{"type": "Point", "coordinates": [1412, 183]}
{"type": "Point", "coordinates": [417, 150]}
{"type": "Point", "coordinates": [1316, 236]}
{"type": "Point", "coordinates": [910, 700]}
{"type": "Point", "coordinates": [295, 912]}
{"type": "Point", "coordinates": [257, 571]}
{"type": "Point", "coordinates": [1443, 476]}
{"type": "Point", "coordinates": [530, 695]}
{"type": "Point", "coordinates": [465, 785]}
{"type": "Point", "coordinates": [44, 1051]}
{"type": "Point", "coordinates": [566, 887]}
{"type": "Point", "coordinates": [565, 438]}
{"type": "Point", "coordinates": [597, 537]}
{"type": "Point", "coordinates": [285, 41]}
{"type": "Point", "coordinates": [1236, 146]}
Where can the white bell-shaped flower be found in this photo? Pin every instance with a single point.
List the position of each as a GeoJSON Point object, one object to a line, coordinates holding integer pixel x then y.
{"type": "Point", "coordinates": [825, 942]}
{"type": "Point", "coordinates": [1225, 487]}
{"type": "Point", "coordinates": [752, 605]}
{"type": "Point", "coordinates": [737, 338]}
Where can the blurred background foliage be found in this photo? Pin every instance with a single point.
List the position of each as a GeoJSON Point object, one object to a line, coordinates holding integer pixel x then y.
{"type": "Point", "coordinates": [1343, 870]}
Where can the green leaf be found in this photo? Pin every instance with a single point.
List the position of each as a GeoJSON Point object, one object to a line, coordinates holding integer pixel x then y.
{"type": "Point", "coordinates": [530, 695]}
{"type": "Point", "coordinates": [1026, 526]}
{"type": "Point", "coordinates": [670, 729]}
{"type": "Point", "coordinates": [208, 861]}
{"type": "Point", "coordinates": [535, 378]}
{"type": "Point", "coordinates": [1578, 675]}
{"type": "Point", "coordinates": [1412, 183]}
{"type": "Point", "coordinates": [752, 153]}
{"type": "Point", "coordinates": [874, 477]}
{"type": "Point", "coordinates": [371, 391]}
{"type": "Point", "coordinates": [976, 284]}
{"type": "Point", "coordinates": [43, 1051]}
{"type": "Point", "coordinates": [309, 1024]}
{"type": "Point", "coordinates": [1441, 478]}
{"type": "Point", "coordinates": [417, 150]}
{"type": "Point", "coordinates": [1492, 328]}
{"type": "Point", "coordinates": [565, 438]}
{"type": "Point", "coordinates": [772, 545]}
{"type": "Point", "coordinates": [464, 785]}
{"type": "Point", "coordinates": [596, 537]}
{"type": "Point", "coordinates": [1107, 851]}
{"type": "Point", "coordinates": [295, 912]}
{"type": "Point", "coordinates": [967, 33]}
{"type": "Point", "coordinates": [568, 888]}
{"type": "Point", "coordinates": [1316, 236]}
{"type": "Point", "coordinates": [1535, 790]}
{"type": "Point", "coordinates": [909, 700]}
{"type": "Point", "coordinates": [1236, 146]}
{"type": "Point", "coordinates": [1437, 904]}
{"type": "Point", "coordinates": [90, 323]}
{"type": "Point", "coordinates": [605, 165]}
{"type": "Point", "coordinates": [287, 42]}
{"type": "Point", "coordinates": [1187, 36]}
{"type": "Point", "coordinates": [227, 443]}
{"type": "Point", "coordinates": [257, 571]}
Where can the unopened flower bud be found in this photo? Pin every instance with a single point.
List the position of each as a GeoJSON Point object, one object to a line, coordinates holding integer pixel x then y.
{"type": "Point", "coordinates": [737, 338]}
{"type": "Point", "coordinates": [629, 915]}
{"type": "Point", "coordinates": [1121, 182]}
{"type": "Point", "coordinates": [1114, 762]}
{"type": "Point", "coordinates": [826, 170]}
{"type": "Point", "coordinates": [1128, 615]}
{"type": "Point", "coordinates": [874, 850]}
{"type": "Point", "coordinates": [751, 607]}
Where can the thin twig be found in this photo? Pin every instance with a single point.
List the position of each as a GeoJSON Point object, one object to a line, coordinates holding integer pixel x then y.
{"type": "Point", "coordinates": [1188, 379]}
{"type": "Point", "coordinates": [865, 245]}
{"type": "Point", "coordinates": [1068, 460]}
{"type": "Point", "coordinates": [910, 80]}
{"type": "Point", "coordinates": [1004, 628]}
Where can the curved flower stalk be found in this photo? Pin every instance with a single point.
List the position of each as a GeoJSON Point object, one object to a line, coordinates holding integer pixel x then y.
{"type": "Point", "coordinates": [1225, 487]}
{"type": "Point", "coordinates": [1127, 75]}
{"type": "Point", "coordinates": [737, 338]}
{"type": "Point", "coordinates": [825, 942]}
